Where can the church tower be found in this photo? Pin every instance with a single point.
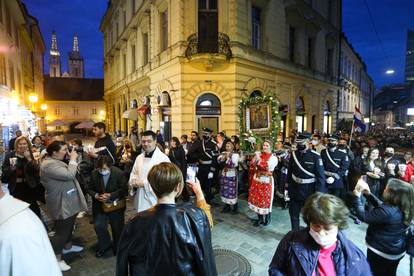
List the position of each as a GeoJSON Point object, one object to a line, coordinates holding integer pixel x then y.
{"type": "Point", "coordinates": [76, 66]}
{"type": "Point", "coordinates": [54, 59]}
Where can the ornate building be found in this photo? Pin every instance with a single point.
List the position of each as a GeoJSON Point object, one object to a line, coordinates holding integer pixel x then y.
{"type": "Point", "coordinates": [357, 87]}
{"type": "Point", "coordinates": [190, 63]}
{"type": "Point", "coordinates": [21, 70]}
{"type": "Point", "coordinates": [75, 61]}
{"type": "Point", "coordinates": [71, 98]}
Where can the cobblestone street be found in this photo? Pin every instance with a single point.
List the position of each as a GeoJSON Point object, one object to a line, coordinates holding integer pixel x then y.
{"type": "Point", "coordinates": [234, 232]}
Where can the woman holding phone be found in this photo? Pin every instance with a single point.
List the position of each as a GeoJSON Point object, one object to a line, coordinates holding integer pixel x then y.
{"type": "Point", "coordinates": [387, 223]}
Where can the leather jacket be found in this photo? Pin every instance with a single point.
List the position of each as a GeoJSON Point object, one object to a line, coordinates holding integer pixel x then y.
{"type": "Point", "coordinates": [167, 239]}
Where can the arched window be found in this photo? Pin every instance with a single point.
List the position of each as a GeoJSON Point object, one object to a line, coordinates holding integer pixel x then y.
{"type": "Point", "coordinates": [256, 93]}
{"type": "Point", "coordinates": [208, 104]}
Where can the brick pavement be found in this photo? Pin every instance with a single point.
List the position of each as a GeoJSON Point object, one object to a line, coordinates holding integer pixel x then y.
{"type": "Point", "coordinates": [233, 232]}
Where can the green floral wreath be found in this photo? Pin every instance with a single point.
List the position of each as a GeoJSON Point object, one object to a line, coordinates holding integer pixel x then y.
{"type": "Point", "coordinates": [269, 98]}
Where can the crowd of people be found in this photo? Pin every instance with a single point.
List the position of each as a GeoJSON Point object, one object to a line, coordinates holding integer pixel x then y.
{"type": "Point", "coordinates": [172, 185]}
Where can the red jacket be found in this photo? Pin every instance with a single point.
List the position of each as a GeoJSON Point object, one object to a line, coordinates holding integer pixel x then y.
{"type": "Point", "coordinates": [409, 172]}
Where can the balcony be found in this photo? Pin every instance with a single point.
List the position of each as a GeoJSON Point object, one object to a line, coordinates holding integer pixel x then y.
{"type": "Point", "coordinates": [219, 45]}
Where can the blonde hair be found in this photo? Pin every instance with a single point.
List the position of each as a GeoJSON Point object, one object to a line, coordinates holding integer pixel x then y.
{"type": "Point", "coordinates": [29, 144]}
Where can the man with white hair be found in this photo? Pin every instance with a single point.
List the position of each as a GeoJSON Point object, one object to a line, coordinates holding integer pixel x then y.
{"type": "Point", "coordinates": [24, 245]}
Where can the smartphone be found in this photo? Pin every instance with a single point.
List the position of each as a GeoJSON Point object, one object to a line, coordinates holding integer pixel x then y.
{"type": "Point", "coordinates": [191, 174]}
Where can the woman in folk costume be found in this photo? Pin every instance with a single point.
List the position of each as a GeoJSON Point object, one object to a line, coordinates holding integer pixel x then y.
{"type": "Point", "coordinates": [228, 178]}
{"type": "Point", "coordinates": [262, 185]}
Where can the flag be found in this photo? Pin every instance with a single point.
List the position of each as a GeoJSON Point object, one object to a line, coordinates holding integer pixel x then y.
{"type": "Point", "coordinates": [359, 125]}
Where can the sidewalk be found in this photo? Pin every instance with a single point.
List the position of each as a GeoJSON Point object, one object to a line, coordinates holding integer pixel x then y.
{"type": "Point", "coordinates": [234, 232]}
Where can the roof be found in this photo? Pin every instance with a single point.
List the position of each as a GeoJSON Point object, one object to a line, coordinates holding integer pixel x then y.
{"type": "Point", "coordinates": [73, 89]}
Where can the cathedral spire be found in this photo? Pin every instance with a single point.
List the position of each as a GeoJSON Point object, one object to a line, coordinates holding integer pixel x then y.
{"type": "Point", "coordinates": [75, 44]}
{"type": "Point", "coordinates": [54, 49]}
{"type": "Point", "coordinates": [54, 59]}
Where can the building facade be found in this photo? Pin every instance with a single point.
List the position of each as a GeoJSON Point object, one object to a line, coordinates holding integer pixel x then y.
{"type": "Point", "coordinates": [71, 101]}
{"type": "Point", "coordinates": [394, 106]}
{"type": "Point", "coordinates": [21, 70]}
{"type": "Point", "coordinates": [409, 58]}
{"type": "Point", "coordinates": [357, 87]}
{"type": "Point", "coordinates": [190, 63]}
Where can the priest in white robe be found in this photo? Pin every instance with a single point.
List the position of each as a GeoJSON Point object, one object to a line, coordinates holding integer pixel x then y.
{"type": "Point", "coordinates": [144, 197]}
{"type": "Point", "coordinates": [25, 248]}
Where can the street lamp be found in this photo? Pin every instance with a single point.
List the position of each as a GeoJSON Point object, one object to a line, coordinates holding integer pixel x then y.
{"type": "Point", "coordinates": [390, 72]}
{"type": "Point", "coordinates": [33, 99]}
{"type": "Point", "coordinates": [43, 107]}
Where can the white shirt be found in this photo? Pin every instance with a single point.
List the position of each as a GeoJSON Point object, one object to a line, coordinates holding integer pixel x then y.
{"type": "Point", "coordinates": [24, 245]}
{"type": "Point", "coordinates": [144, 196]}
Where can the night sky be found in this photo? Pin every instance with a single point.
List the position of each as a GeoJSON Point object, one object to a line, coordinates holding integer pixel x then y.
{"type": "Point", "coordinates": [392, 18]}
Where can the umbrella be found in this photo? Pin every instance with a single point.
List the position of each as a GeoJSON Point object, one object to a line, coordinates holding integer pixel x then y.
{"type": "Point", "coordinates": [86, 124]}
{"type": "Point", "coordinates": [57, 123]}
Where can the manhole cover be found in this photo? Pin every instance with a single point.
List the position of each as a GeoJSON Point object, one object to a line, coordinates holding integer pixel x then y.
{"type": "Point", "coordinates": [231, 263]}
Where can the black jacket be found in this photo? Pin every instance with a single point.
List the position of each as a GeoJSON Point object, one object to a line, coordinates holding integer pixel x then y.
{"type": "Point", "coordinates": [30, 171]}
{"type": "Point", "coordinates": [109, 144]}
{"type": "Point", "coordinates": [116, 186]}
{"type": "Point", "coordinates": [177, 156]}
{"type": "Point", "coordinates": [386, 230]}
{"type": "Point", "coordinates": [167, 240]}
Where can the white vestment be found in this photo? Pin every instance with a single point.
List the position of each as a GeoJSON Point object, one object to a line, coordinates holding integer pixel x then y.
{"type": "Point", "coordinates": [144, 196]}
{"type": "Point", "coordinates": [25, 248]}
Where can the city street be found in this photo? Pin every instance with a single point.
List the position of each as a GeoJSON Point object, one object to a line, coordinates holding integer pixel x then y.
{"type": "Point", "coordinates": [234, 232]}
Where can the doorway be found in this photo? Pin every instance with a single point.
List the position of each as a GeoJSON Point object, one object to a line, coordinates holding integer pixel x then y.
{"type": "Point", "coordinates": [208, 122]}
{"type": "Point", "coordinates": [208, 111]}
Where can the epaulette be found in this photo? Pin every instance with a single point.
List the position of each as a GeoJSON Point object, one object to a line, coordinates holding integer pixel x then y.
{"type": "Point", "coordinates": [343, 150]}
{"type": "Point", "coordinates": [214, 142]}
{"type": "Point", "coordinates": [315, 152]}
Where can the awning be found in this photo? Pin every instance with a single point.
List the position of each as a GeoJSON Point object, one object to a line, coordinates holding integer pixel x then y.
{"type": "Point", "coordinates": [130, 114]}
{"type": "Point", "coordinates": [85, 125]}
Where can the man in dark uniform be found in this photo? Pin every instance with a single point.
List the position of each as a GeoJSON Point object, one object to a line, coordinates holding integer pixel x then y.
{"type": "Point", "coordinates": [336, 163]}
{"type": "Point", "coordinates": [206, 167]}
{"type": "Point", "coordinates": [306, 175]}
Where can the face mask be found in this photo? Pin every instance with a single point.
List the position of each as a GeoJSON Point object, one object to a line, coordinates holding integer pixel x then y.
{"type": "Point", "coordinates": [388, 154]}
{"type": "Point", "coordinates": [342, 146]}
{"type": "Point", "coordinates": [331, 145]}
{"type": "Point", "coordinates": [104, 172]}
{"type": "Point", "coordinates": [315, 142]}
{"type": "Point", "coordinates": [127, 146]}
{"type": "Point", "coordinates": [301, 147]}
{"type": "Point", "coordinates": [205, 137]}
{"type": "Point", "coordinates": [327, 240]}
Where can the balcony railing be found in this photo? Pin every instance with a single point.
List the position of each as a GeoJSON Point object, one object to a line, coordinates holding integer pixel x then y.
{"type": "Point", "coordinates": [220, 46]}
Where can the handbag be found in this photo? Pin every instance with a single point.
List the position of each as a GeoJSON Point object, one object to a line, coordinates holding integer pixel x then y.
{"type": "Point", "coordinates": [111, 205]}
{"type": "Point", "coordinates": [410, 240]}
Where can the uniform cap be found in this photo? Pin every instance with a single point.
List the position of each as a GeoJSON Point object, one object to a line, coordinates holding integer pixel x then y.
{"type": "Point", "coordinates": [206, 129]}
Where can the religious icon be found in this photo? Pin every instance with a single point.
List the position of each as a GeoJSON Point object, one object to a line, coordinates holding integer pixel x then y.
{"type": "Point", "coordinates": [258, 116]}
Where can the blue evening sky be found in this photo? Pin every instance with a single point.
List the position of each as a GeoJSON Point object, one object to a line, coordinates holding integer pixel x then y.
{"type": "Point", "coordinates": [392, 18]}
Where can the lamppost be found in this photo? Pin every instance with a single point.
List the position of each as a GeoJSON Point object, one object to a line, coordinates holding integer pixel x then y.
{"type": "Point", "coordinates": [43, 107]}
{"type": "Point", "coordinates": [33, 99]}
